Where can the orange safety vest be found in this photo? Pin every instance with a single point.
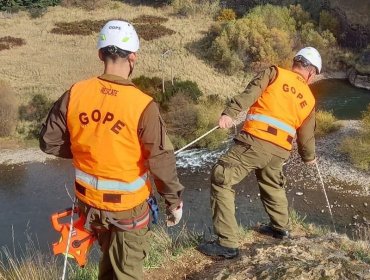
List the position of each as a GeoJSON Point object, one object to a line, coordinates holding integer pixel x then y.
{"type": "Point", "coordinates": [281, 109]}
{"type": "Point", "coordinates": [102, 120]}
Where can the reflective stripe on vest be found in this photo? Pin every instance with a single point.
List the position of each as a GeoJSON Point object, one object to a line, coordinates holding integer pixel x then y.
{"type": "Point", "coordinates": [111, 185]}
{"type": "Point", "coordinates": [273, 122]}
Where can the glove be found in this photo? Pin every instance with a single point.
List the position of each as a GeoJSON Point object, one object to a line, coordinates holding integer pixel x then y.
{"type": "Point", "coordinates": [174, 216]}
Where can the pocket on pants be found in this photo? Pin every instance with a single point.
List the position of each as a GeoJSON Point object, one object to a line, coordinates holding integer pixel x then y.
{"type": "Point", "coordinates": [137, 243]}
{"type": "Point", "coordinates": [221, 174]}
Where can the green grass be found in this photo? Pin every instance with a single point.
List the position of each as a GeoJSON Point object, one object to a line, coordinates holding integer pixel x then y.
{"type": "Point", "coordinates": [358, 146]}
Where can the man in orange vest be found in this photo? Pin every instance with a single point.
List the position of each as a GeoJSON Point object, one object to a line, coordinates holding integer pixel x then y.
{"type": "Point", "coordinates": [281, 108]}
{"type": "Point", "coordinates": [115, 136]}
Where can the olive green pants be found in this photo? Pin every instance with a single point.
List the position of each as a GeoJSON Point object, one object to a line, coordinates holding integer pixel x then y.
{"type": "Point", "coordinates": [230, 169]}
{"type": "Point", "coordinates": [123, 252]}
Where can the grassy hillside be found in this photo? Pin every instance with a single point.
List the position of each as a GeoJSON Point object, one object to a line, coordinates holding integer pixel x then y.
{"type": "Point", "coordinates": [50, 63]}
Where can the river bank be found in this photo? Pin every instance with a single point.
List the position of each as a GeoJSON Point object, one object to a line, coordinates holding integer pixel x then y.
{"type": "Point", "coordinates": [334, 164]}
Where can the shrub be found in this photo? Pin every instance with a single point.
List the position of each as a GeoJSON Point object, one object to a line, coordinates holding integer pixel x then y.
{"type": "Point", "coordinates": [188, 88]}
{"type": "Point", "coordinates": [300, 16]}
{"type": "Point", "coordinates": [30, 5]}
{"type": "Point", "coordinates": [34, 112]}
{"type": "Point", "coordinates": [324, 42]}
{"type": "Point", "coordinates": [150, 32]}
{"type": "Point", "coordinates": [263, 36]}
{"type": "Point", "coordinates": [329, 21]}
{"type": "Point", "coordinates": [149, 19]}
{"type": "Point", "coordinates": [326, 123]}
{"type": "Point", "coordinates": [226, 15]}
{"type": "Point", "coordinates": [87, 27]}
{"type": "Point", "coordinates": [187, 120]}
{"type": "Point", "coordinates": [85, 4]}
{"type": "Point", "coordinates": [84, 27]}
{"type": "Point", "coordinates": [196, 7]}
{"type": "Point", "coordinates": [8, 110]}
{"type": "Point", "coordinates": [209, 112]}
{"type": "Point", "coordinates": [181, 119]}
{"type": "Point", "coordinates": [358, 146]}
{"type": "Point", "coordinates": [9, 42]}
{"type": "Point", "coordinates": [154, 87]}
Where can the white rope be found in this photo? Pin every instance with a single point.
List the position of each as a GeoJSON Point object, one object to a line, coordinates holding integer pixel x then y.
{"type": "Point", "coordinates": [326, 196]}
{"type": "Point", "coordinates": [196, 140]}
{"type": "Point", "coordinates": [68, 241]}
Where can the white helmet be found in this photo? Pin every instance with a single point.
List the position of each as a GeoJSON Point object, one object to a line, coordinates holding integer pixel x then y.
{"type": "Point", "coordinates": [312, 55]}
{"type": "Point", "coordinates": [120, 34]}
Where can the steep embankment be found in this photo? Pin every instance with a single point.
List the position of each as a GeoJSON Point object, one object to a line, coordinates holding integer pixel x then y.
{"type": "Point", "coordinates": [305, 257]}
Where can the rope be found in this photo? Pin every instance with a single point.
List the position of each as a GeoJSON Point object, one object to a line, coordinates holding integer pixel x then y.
{"type": "Point", "coordinates": [196, 140]}
{"type": "Point", "coordinates": [326, 196]}
{"type": "Point", "coordinates": [68, 241]}
{"type": "Point", "coordinates": [240, 118]}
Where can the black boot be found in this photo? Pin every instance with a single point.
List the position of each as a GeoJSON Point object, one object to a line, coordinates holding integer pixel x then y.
{"type": "Point", "coordinates": [272, 231]}
{"type": "Point", "coordinates": [216, 250]}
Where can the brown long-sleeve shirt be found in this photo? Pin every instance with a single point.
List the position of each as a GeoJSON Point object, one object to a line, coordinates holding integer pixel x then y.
{"type": "Point", "coordinates": [241, 102]}
{"type": "Point", "coordinates": [156, 146]}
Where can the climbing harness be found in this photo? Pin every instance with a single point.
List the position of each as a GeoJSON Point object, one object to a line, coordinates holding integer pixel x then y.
{"type": "Point", "coordinates": [326, 196]}
{"type": "Point", "coordinates": [75, 241]}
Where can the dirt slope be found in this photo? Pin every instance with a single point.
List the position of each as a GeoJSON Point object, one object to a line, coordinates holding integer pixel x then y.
{"type": "Point", "coordinates": [304, 257]}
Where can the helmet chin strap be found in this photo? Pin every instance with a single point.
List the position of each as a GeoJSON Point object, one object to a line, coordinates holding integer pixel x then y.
{"type": "Point", "coordinates": [131, 68]}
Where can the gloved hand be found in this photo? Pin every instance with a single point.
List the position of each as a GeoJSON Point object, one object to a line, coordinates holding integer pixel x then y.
{"type": "Point", "coordinates": [173, 217]}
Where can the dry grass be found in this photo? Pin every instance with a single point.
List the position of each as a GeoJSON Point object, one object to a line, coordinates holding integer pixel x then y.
{"type": "Point", "coordinates": [325, 123]}
{"type": "Point", "coordinates": [50, 63]}
{"type": "Point", "coordinates": [8, 110]}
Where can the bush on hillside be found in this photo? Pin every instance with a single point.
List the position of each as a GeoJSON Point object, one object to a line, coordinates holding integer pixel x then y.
{"type": "Point", "coordinates": [358, 146]}
{"type": "Point", "coordinates": [262, 37]}
{"type": "Point", "coordinates": [187, 120]}
{"type": "Point", "coordinates": [154, 87]}
{"type": "Point", "coordinates": [85, 4]}
{"type": "Point", "coordinates": [86, 27]}
{"type": "Point", "coordinates": [267, 35]}
{"type": "Point", "coordinates": [326, 123]}
{"type": "Point", "coordinates": [185, 111]}
{"type": "Point", "coordinates": [196, 7]}
{"type": "Point", "coordinates": [8, 110]}
{"type": "Point", "coordinates": [329, 21]}
{"type": "Point", "coordinates": [149, 19]}
{"type": "Point", "coordinates": [83, 27]}
{"type": "Point", "coordinates": [9, 42]}
{"type": "Point", "coordinates": [150, 32]}
{"type": "Point", "coordinates": [226, 15]}
{"type": "Point", "coordinates": [36, 7]}
{"type": "Point", "coordinates": [34, 112]}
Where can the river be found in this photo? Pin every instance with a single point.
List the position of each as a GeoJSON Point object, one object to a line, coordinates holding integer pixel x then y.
{"type": "Point", "coordinates": [30, 192]}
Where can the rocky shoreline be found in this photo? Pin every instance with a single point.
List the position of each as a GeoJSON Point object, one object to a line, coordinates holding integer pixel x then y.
{"type": "Point", "coordinates": [352, 75]}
